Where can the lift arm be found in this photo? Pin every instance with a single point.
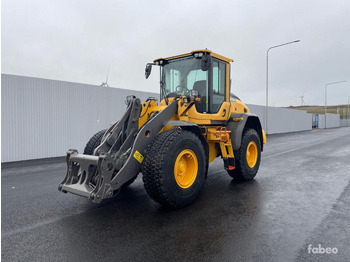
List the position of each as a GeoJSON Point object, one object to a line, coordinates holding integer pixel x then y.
{"type": "Point", "coordinates": [119, 156]}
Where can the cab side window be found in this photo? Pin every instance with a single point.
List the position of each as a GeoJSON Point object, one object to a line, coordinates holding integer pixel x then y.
{"type": "Point", "coordinates": [219, 84]}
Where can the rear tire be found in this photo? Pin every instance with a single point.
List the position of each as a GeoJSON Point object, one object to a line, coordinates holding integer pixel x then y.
{"type": "Point", "coordinates": [93, 143]}
{"type": "Point", "coordinates": [247, 157]}
{"type": "Point", "coordinates": [174, 168]}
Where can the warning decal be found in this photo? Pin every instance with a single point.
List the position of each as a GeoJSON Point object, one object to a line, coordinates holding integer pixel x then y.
{"type": "Point", "coordinates": [138, 156]}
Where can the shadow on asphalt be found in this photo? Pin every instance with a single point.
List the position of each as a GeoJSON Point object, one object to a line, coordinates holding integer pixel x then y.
{"type": "Point", "coordinates": [223, 210]}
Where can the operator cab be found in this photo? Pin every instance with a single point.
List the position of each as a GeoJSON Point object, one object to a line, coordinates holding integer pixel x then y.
{"type": "Point", "coordinates": [202, 71]}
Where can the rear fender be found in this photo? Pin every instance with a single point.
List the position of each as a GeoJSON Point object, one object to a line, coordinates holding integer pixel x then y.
{"type": "Point", "coordinates": [238, 123]}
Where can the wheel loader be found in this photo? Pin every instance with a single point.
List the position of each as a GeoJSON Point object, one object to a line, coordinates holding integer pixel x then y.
{"type": "Point", "coordinates": [173, 140]}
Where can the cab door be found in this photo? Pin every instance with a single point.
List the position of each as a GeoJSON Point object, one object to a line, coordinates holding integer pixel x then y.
{"type": "Point", "coordinates": [212, 89]}
{"type": "Point", "coordinates": [218, 105]}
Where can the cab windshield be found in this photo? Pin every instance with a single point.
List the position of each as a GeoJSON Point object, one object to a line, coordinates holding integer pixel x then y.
{"type": "Point", "coordinates": [182, 75]}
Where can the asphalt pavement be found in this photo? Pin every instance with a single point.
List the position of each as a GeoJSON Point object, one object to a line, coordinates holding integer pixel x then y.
{"type": "Point", "coordinates": [300, 197]}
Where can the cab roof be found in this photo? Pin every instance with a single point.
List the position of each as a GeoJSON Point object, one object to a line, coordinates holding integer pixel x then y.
{"type": "Point", "coordinates": [220, 57]}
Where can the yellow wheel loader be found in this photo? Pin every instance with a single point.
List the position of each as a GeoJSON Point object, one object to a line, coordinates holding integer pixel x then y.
{"type": "Point", "coordinates": [172, 142]}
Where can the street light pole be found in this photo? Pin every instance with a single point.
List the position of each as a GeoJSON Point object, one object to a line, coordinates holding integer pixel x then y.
{"type": "Point", "coordinates": [325, 100]}
{"type": "Point", "coordinates": [267, 79]}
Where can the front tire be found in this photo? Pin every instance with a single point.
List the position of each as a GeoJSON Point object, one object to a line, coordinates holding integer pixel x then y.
{"type": "Point", "coordinates": [247, 157]}
{"type": "Point", "coordinates": [174, 168]}
{"type": "Point", "coordinates": [93, 143]}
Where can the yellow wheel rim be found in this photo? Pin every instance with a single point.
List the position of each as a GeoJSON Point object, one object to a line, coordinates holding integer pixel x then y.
{"type": "Point", "coordinates": [186, 168]}
{"type": "Point", "coordinates": [252, 154]}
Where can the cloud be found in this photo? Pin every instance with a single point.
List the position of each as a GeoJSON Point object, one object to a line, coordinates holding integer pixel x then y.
{"type": "Point", "coordinates": [78, 40]}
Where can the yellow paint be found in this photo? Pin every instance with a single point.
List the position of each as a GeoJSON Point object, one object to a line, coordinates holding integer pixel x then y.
{"type": "Point", "coordinates": [252, 154]}
{"type": "Point", "coordinates": [238, 107]}
{"type": "Point", "coordinates": [138, 156]}
{"type": "Point", "coordinates": [220, 57]}
{"type": "Point", "coordinates": [186, 168]}
{"type": "Point", "coordinates": [191, 115]}
{"type": "Point", "coordinates": [237, 119]}
{"type": "Point", "coordinates": [217, 143]}
{"type": "Point", "coordinates": [226, 149]}
{"type": "Point", "coordinates": [205, 119]}
{"type": "Point", "coordinates": [228, 72]}
{"type": "Point", "coordinates": [213, 151]}
{"type": "Point", "coordinates": [147, 109]}
{"type": "Point", "coordinates": [264, 137]}
{"type": "Point", "coordinates": [214, 136]}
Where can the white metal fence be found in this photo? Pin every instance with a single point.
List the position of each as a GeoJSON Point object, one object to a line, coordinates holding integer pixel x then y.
{"type": "Point", "coordinates": [43, 118]}
{"type": "Point", "coordinates": [344, 122]}
{"type": "Point", "coordinates": [332, 121]}
{"type": "Point", "coordinates": [283, 120]}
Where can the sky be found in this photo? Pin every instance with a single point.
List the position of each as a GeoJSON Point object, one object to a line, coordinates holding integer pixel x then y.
{"type": "Point", "coordinates": [78, 41]}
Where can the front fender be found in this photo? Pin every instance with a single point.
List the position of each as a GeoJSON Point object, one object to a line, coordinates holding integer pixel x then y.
{"type": "Point", "coordinates": [194, 128]}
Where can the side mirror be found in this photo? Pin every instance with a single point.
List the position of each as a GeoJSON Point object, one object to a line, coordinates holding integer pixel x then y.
{"type": "Point", "coordinates": [148, 69]}
{"type": "Point", "coordinates": [205, 62]}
